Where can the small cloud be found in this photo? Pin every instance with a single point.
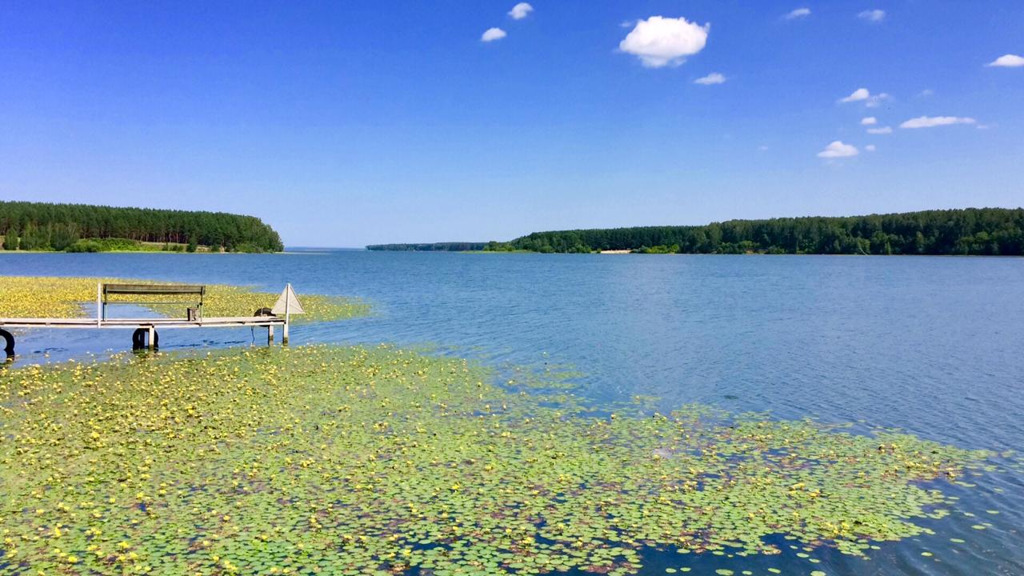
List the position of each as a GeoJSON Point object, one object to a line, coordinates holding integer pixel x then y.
{"type": "Point", "coordinates": [710, 79]}
{"type": "Point", "coordinates": [627, 23]}
{"type": "Point", "coordinates": [858, 95]}
{"type": "Point", "coordinates": [520, 11]}
{"type": "Point", "coordinates": [876, 100]}
{"type": "Point", "coordinates": [838, 150]}
{"type": "Point", "coordinates": [872, 15]}
{"type": "Point", "coordinates": [869, 121]}
{"type": "Point", "coordinates": [882, 130]}
{"type": "Point", "coordinates": [985, 126]}
{"type": "Point", "coordinates": [864, 95]}
{"type": "Point", "coordinates": [1007, 61]}
{"type": "Point", "coordinates": [933, 121]}
{"type": "Point", "coordinates": [493, 34]}
{"type": "Point", "coordinates": [763, 148]}
{"type": "Point", "coordinates": [870, 148]}
{"type": "Point", "coordinates": [660, 42]}
{"type": "Point", "coordinates": [926, 93]}
{"type": "Point", "coordinates": [798, 13]}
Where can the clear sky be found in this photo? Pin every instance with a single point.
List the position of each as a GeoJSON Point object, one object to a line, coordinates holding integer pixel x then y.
{"type": "Point", "coordinates": [350, 122]}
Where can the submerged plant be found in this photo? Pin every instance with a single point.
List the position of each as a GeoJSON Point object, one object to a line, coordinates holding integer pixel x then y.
{"type": "Point", "coordinates": [351, 461]}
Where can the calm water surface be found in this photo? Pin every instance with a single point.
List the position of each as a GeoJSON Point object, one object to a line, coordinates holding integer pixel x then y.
{"type": "Point", "coordinates": [929, 345]}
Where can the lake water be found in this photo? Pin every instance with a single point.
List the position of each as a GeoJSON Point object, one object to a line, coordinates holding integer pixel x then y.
{"type": "Point", "coordinates": [932, 346]}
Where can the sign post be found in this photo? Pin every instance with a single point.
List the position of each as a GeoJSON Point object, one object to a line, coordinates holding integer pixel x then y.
{"type": "Point", "coordinates": [287, 304]}
{"type": "Point", "coordinates": [287, 313]}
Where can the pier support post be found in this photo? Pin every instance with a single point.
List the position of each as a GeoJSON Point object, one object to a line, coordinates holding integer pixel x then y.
{"type": "Point", "coordinates": [270, 335]}
{"type": "Point", "coordinates": [151, 336]}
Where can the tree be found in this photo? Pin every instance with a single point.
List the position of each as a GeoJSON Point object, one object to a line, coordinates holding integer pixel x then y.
{"type": "Point", "coordinates": [62, 236]}
{"type": "Point", "coordinates": [35, 238]}
{"type": "Point", "coordinates": [10, 239]}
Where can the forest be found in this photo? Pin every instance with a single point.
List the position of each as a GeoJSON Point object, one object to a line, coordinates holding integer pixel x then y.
{"type": "Point", "coordinates": [434, 247]}
{"type": "Point", "coordinates": [86, 228]}
{"type": "Point", "coordinates": [971, 231]}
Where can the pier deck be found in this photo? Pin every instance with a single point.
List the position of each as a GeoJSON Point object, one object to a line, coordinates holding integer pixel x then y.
{"type": "Point", "coordinates": [145, 335]}
{"type": "Point", "coordinates": [261, 321]}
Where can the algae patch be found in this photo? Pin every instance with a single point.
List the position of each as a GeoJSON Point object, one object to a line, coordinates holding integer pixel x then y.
{"type": "Point", "coordinates": [350, 460]}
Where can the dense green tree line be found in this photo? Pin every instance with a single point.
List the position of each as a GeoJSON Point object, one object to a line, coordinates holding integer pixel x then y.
{"type": "Point", "coordinates": [435, 247]}
{"type": "Point", "coordinates": [43, 226]}
{"type": "Point", "coordinates": [975, 231]}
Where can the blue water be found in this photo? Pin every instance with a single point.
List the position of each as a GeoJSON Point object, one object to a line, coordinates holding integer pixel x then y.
{"type": "Point", "coordinates": [929, 345]}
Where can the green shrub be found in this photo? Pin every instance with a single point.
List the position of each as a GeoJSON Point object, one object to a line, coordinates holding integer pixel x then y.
{"type": "Point", "coordinates": [248, 248]}
{"type": "Point", "coordinates": [105, 245]}
{"type": "Point", "coordinates": [82, 246]}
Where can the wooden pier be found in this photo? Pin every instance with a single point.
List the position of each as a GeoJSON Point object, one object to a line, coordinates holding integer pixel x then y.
{"type": "Point", "coordinates": [145, 333]}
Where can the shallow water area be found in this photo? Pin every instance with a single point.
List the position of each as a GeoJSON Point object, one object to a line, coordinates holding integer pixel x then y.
{"type": "Point", "coordinates": [926, 345]}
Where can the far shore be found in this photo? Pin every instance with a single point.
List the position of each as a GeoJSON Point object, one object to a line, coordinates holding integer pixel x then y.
{"type": "Point", "coordinates": [142, 252]}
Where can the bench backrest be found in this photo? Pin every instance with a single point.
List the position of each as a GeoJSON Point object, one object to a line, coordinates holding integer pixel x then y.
{"type": "Point", "coordinates": [160, 289]}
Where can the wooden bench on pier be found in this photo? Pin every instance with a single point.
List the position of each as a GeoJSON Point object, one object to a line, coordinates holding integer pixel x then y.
{"type": "Point", "coordinates": [191, 313]}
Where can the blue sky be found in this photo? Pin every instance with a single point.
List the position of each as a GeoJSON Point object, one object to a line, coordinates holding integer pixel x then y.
{"type": "Point", "coordinates": [347, 123]}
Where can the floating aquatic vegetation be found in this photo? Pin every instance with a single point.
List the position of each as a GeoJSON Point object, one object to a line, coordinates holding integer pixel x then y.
{"type": "Point", "coordinates": [352, 461]}
{"type": "Point", "coordinates": [59, 297]}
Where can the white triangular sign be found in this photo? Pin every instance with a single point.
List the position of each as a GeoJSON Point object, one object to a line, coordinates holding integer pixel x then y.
{"type": "Point", "coordinates": [287, 303]}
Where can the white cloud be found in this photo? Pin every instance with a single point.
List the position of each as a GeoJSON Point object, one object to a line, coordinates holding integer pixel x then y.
{"type": "Point", "coordinates": [838, 150]}
{"type": "Point", "coordinates": [763, 148]}
{"type": "Point", "coordinates": [876, 100]}
{"type": "Point", "coordinates": [864, 95]}
{"type": "Point", "coordinates": [713, 78]}
{"type": "Point", "coordinates": [660, 42]}
{"type": "Point", "coordinates": [858, 95]}
{"type": "Point", "coordinates": [926, 93]}
{"type": "Point", "coordinates": [520, 11]}
{"type": "Point", "coordinates": [869, 121]}
{"type": "Point", "coordinates": [493, 34]}
{"type": "Point", "coordinates": [870, 148]}
{"type": "Point", "coordinates": [627, 24]}
{"type": "Point", "coordinates": [798, 13]}
{"type": "Point", "coordinates": [882, 130]}
{"type": "Point", "coordinates": [872, 15]}
{"type": "Point", "coordinates": [1007, 61]}
{"type": "Point", "coordinates": [933, 121]}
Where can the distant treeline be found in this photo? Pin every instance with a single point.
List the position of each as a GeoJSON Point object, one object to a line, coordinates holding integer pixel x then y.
{"type": "Point", "coordinates": [978, 231]}
{"type": "Point", "coordinates": [78, 227]}
{"type": "Point", "coordinates": [435, 247]}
